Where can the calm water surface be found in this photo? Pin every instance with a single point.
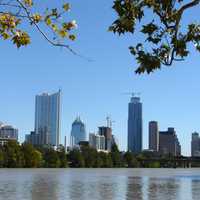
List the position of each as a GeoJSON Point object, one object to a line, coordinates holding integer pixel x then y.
{"type": "Point", "coordinates": [99, 184]}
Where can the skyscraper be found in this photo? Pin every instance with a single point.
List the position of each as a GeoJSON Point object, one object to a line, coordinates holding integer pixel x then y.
{"type": "Point", "coordinates": [78, 132]}
{"type": "Point", "coordinates": [169, 143]}
{"type": "Point", "coordinates": [107, 133]}
{"type": "Point", "coordinates": [135, 125]}
{"type": "Point", "coordinates": [153, 136]}
{"type": "Point", "coordinates": [47, 117]}
{"type": "Point", "coordinates": [195, 145]}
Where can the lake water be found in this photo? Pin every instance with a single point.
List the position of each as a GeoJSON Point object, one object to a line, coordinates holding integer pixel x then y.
{"type": "Point", "coordinates": [99, 184]}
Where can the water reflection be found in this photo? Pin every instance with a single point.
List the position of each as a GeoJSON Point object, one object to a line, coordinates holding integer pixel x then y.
{"type": "Point", "coordinates": [99, 185]}
{"type": "Point", "coordinates": [195, 189]}
{"type": "Point", "coordinates": [142, 188]}
{"type": "Point", "coordinates": [106, 190]}
{"type": "Point", "coordinates": [99, 189]}
{"type": "Point", "coordinates": [76, 190]}
{"type": "Point", "coordinates": [163, 188]}
{"type": "Point", "coordinates": [134, 188]}
{"type": "Point", "coordinates": [6, 189]}
{"type": "Point", "coordinates": [44, 187]}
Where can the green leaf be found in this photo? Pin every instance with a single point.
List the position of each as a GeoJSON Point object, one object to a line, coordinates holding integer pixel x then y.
{"type": "Point", "coordinates": [66, 7]}
{"type": "Point", "coordinates": [72, 37]}
{"type": "Point", "coordinates": [62, 33]}
{"type": "Point", "coordinates": [48, 21]}
{"type": "Point", "coordinates": [5, 35]}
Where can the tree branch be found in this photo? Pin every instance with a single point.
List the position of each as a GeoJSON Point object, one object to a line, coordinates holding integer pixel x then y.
{"type": "Point", "coordinates": [10, 5]}
{"type": "Point", "coordinates": [28, 14]}
{"type": "Point", "coordinates": [188, 5]}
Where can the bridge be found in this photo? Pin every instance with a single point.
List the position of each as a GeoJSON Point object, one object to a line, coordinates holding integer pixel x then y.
{"type": "Point", "coordinates": [183, 162]}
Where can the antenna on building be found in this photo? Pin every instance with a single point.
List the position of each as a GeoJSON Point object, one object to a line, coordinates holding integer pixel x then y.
{"type": "Point", "coordinates": [78, 117]}
{"type": "Point", "coordinates": [60, 89]}
{"type": "Point", "coordinates": [65, 143]}
{"type": "Point", "coordinates": [108, 121]}
{"type": "Point", "coordinates": [111, 124]}
{"type": "Point", "coordinates": [133, 94]}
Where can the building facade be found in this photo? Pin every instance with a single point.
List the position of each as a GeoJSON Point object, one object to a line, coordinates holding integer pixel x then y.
{"type": "Point", "coordinates": [42, 138]}
{"type": "Point", "coordinates": [169, 143]}
{"type": "Point", "coordinates": [153, 136]}
{"type": "Point", "coordinates": [78, 132]}
{"type": "Point", "coordinates": [7, 133]}
{"type": "Point", "coordinates": [135, 125]}
{"type": "Point", "coordinates": [97, 141]}
{"type": "Point", "coordinates": [195, 145]}
{"type": "Point", "coordinates": [47, 118]}
{"type": "Point", "coordinates": [107, 133]}
{"type": "Point", "coordinates": [32, 138]}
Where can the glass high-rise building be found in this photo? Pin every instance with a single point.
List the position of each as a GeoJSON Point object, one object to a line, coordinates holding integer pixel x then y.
{"type": "Point", "coordinates": [78, 132]}
{"type": "Point", "coordinates": [47, 117]}
{"type": "Point", "coordinates": [135, 125]}
{"type": "Point", "coordinates": [153, 136]}
{"type": "Point", "coordinates": [195, 145]}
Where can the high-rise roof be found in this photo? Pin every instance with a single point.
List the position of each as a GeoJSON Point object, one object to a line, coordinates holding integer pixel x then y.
{"type": "Point", "coordinates": [78, 120]}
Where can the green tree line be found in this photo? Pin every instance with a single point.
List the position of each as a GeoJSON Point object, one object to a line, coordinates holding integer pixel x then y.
{"type": "Point", "coordinates": [14, 155]}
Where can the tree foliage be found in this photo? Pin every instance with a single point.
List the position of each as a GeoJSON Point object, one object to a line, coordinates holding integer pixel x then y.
{"type": "Point", "coordinates": [76, 159]}
{"type": "Point", "coordinates": [14, 155]}
{"type": "Point", "coordinates": [116, 156]}
{"type": "Point", "coordinates": [50, 23]}
{"type": "Point", "coordinates": [32, 157]}
{"type": "Point", "coordinates": [51, 159]}
{"type": "Point", "coordinates": [89, 155]}
{"type": "Point", "coordinates": [167, 38]}
{"type": "Point", "coordinates": [130, 160]}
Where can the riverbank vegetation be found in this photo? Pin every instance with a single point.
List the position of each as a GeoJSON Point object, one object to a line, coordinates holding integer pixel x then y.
{"type": "Point", "coordinates": [14, 155]}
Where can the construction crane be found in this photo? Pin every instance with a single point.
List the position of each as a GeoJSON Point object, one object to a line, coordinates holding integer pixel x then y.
{"type": "Point", "coordinates": [109, 122]}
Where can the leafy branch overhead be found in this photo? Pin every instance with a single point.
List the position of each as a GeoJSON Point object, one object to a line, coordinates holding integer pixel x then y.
{"type": "Point", "coordinates": [51, 24]}
{"type": "Point", "coordinates": [167, 39]}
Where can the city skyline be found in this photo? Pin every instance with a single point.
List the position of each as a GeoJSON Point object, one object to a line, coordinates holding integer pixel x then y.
{"type": "Point", "coordinates": [100, 100]}
{"type": "Point", "coordinates": [93, 89]}
{"type": "Point", "coordinates": [45, 102]}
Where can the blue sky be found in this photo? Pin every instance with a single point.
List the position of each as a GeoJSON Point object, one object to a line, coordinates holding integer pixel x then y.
{"type": "Point", "coordinates": [94, 90]}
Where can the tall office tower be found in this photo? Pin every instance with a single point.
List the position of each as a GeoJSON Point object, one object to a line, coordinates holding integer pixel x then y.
{"type": "Point", "coordinates": [195, 145]}
{"type": "Point", "coordinates": [47, 118]}
{"type": "Point", "coordinates": [107, 133]}
{"type": "Point", "coordinates": [153, 136]}
{"type": "Point", "coordinates": [78, 132]}
{"type": "Point", "coordinates": [135, 125]}
{"type": "Point", "coordinates": [168, 143]}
